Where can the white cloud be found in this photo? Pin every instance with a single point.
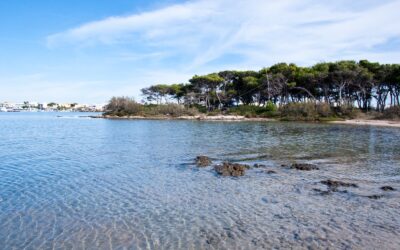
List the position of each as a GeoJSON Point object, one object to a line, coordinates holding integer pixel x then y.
{"type": "Point", "coordinates": [121, 54]}
{"type": "Point", "coordinates": [262, 32]}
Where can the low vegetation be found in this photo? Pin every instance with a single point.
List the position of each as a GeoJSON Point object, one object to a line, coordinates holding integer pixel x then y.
{"type": "Point", "coordinates": [270, 110]}
{"type": "Point", "coordinates": [308, 111]}
{"type": "Point", "coordinates": [325, 91]}
{"type": "Point", "coordinates": [392, 113]}
{"type": "Point", "coordinates": [126, 106]}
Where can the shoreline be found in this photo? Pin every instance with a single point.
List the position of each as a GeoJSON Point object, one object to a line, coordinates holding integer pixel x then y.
{"type": "Point", "coordinates": [365, 122]}
{"type": "Point", "coordinates": [191, 118]}
{"type": "Point", "coordinates": [362, 122]}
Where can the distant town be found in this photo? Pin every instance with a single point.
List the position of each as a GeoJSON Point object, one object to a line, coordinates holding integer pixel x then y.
{"type": "Point", "coordinates": [29, 106]}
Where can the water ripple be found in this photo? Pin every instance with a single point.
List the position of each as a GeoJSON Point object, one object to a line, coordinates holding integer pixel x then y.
{"type": "Point", "coordinates": [100, 184]}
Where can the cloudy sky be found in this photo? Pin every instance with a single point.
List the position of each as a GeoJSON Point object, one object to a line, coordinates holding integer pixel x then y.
{"type": "Point", "coordinates": [87, 51]}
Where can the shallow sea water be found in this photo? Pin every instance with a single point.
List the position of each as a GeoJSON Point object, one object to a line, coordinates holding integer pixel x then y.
{"type": "Point", "coordinates": [79, 183]}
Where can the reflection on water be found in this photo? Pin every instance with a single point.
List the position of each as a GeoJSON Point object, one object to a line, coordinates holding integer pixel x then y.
{"type": "Point", "coordinates": [91, 183]}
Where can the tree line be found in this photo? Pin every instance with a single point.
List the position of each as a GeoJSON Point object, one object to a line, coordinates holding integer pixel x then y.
{"type": "Point", "coordinates": [363, 84]}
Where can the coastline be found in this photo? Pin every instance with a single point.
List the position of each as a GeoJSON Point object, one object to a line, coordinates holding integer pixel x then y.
{"type": "Point", "coordinates": [193, 118]}
{"type": "Point", "coordinates": [362, 122]}
{"type": "Point", "coordinates": [365, 122]}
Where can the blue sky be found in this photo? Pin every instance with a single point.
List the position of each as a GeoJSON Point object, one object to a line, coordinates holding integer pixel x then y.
{"type": "Point", "coordinates": [87, 51]}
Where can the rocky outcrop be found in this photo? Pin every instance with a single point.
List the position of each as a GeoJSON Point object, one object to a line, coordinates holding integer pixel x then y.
{"type": "Point", "coordinates": [387, 188]}
{"type": "Point", "coordinates": [374, 196]}
{"type": "Point", "coordinates": [336, 184]}
{"type": "Point", "coordinates": [231, 169]}
{"type": "Point", "coordinates": [257, 165]}
{"type": "Point", "coordinates": [333, 187]}
{"type": "Point", "coordinates": [304, 166]}
{"type": "Point", "coordinates": [203, 161]}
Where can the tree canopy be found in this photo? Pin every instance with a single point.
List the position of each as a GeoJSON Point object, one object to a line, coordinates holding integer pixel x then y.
{"type": "Point", "coordinates": [364, 84]}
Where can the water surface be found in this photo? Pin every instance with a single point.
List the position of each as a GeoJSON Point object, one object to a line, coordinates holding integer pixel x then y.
{"type": "Point", "coordinates": [79, 183]}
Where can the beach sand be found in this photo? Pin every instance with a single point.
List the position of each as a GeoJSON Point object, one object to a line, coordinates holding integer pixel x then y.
{"type": "Point", "coordinates": [384, 123]}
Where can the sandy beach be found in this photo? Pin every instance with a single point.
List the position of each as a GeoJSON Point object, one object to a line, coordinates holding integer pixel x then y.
{"type": "Point", "coordinates": [383, 123]}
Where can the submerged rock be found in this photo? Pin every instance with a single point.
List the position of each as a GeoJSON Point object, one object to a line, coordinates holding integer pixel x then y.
{"type": "Point", "coordinates": [259, 165]}
{"type": "Point", "coordinates": [329, 191]}
{"type": "Point", "coordinates": [387, 188]}
{"type": "Point", "coordinates": [203, 161]}
{"type": "Point", "coordinates": [304, 166]}
{"type": "Point", "coordinates": [336, 184]}
{"type": "Point", "coordinates": [333, 187]}
{"type": "Point", "coordinates": [375, 196]}
{"type": "Point", "coordinates": [322, 192]}
{"type": "Point", "coordinates": [231, 169]}
{"type": "Point", "coordinates": [271, 172]}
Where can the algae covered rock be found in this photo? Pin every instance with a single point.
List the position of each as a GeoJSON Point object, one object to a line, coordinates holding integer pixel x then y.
{"type": "Point", "coordinates": [304, 166]}
{"type": "Point", "coordinates": [231, 169]}
{"type": "Point", "coordinates": [203, 161]}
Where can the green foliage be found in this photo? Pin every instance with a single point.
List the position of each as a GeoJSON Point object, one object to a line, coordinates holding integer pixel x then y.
{"type": "Point", "coordinates": [171, 109]}
{"type": "Point", "coordinates": [341, 84]}
{"type": "Point", "coordinates": [270, 110]}
{"type": "Point", "coordinates": [122, 106]}
{"type": "Point", "coordinates": [199, 108]}
{"type": "Point", "coordinates": [52, 104]}
{"type": "Point", "coordinates": [271, 107]}
{"type": "Point", "coordinates": [125, 106]}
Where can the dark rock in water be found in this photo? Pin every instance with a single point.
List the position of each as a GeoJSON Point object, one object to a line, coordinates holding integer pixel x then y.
{"type": "Point", "coordinates": [203, 161]}
{"type": "Point", "coordinates": [387, 188]}
{"type": "Point", "coordinates": [271, 172]}
{"type": "Point", "coordinates": [304, 166]}
{"type": "Point", "coordinates": [336, 184]}
{"type": "Point", "coordinates": [322, 192]}
{"type": "Point", "coordinates": [375, 196]}
{"type": "Point", "coordinates": [231, 169]}
{"type": "Point", "coordinates": [259, 165]}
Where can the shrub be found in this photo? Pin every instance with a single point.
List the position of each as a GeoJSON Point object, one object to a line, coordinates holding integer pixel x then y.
{"type": "Point", "coordinates": [299, 111]}
{"type": "Point", "coordinates": [199, 108]}
{"type": "Point", "coordinates": [121, 106]}
{"type": "Point", "coordinates": [214, 112]}
{"type": "Point", "coordinates": [308, 111]}
{"type": "Point", "coordinates": [249, 111]}
{"type": "Point", "coordinates": [170, 109]}
{"type": "Point", "coordinates": [347, 111]}
{"type": "Point", "coordinates": [270, 107]}
{"type": "Point", "coordinates": [324, 110]}
{"type": "Point", "coordinates": [126, 106]}
{"type": "Point", "coordinates": [391, 113]}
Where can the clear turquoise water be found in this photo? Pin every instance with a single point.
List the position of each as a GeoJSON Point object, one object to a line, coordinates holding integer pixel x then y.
{"type": "Point", "coordinates": [80, 183]}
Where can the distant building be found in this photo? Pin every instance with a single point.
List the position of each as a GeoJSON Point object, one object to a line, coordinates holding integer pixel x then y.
{"type": "Point", "coordinates": [35, 106]}
{"type": "Point", "coordinates": [42, 106]}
